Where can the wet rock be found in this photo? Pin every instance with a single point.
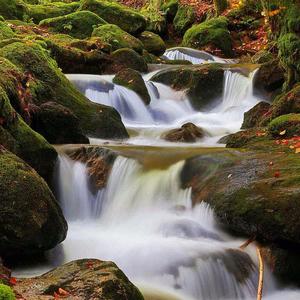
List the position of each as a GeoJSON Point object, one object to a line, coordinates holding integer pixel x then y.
{"type": "Point", "coordinates": [133, 81]}
{"type": "Point", "coordinates": [269, 78]}
{"type": "Point", "coordinates": [117, 38]}
{"type": "Point", "coordinates": [79, 24]}
{"type": "Point", "coordinates": [127, 58]}
{"type": "Point", "coordinates": [188, 133]}
{"type": "Point", "coordinates": [203, 84]}
{"type": "Point", "coordinates": [254, 116]}
{"type": "Point", "coordinates": [127, 19]}
{"type": "Point", "coordinates": [83, 279]}
{"type": "Point", "coordinates": [31, 220]}
{"type": "Point", "coordinates": [58, 124]}
{"type": "Point", "coordinates": [153, 43]}
{"type": "Point", "coordinates": [212, 32]}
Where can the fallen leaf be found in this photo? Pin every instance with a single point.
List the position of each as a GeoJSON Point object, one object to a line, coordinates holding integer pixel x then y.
{"type": "Point", "coordinates": [283, 132]}
{"type": "Point", "coordinates": [13, 281]}
{"type": "Point", "coordinates": [277, 174]}
{"type": "Point", "coordinates": [297, 150]}
{"type": "Point", "coordinates": [63, 292]}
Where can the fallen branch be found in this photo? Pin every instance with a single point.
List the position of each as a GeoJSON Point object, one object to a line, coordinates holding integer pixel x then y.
{"type": "Point", "coordinates": [261, 274]}
{"type": "Point", "coordinates": [247, 243]}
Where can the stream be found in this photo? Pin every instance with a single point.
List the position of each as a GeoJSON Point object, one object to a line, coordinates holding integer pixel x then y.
{"type": "Point", "coordinates": [143, 220]}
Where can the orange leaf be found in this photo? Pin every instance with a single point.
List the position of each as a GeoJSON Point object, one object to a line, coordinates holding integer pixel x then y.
{"type": "Point", "coordinates": [277, 174]}
{"type": "Point", "coordinates": [13, 281]}
{"type": "Point", "coordinates": [297, 150]}
{"type": "Point", "coordinates": [63, 292]}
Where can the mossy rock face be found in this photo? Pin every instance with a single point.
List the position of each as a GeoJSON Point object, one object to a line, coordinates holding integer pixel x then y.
{"type": "Point", "coordinates": [52, 10]}
{"type": "Point", "coordinates": [101, 280]}
{"type": "Point", "coordinates": [156, 20]}
{"type": "Point", "coordinates": [188, 133]}
{"type": "Point", "coordinates": [203, 84]}
{"type": "Point", "coordinates": [15, 134]}
{"type": "Point", "coordinates": [269, 78]}
{"type": "Point", "coordinates": [153, 43]}
{"type": "Point", "coordinates": [117, 37]}
{"type": "Point", "coordinates": [262, 57]}
{"type": "Point", "coordinates": [58, 124]}
{"type": "Point", "coordinates": [287, 103]}
{"type": "Point", "coordinates": [5, 31]}
{"type": "Point", "coordinates": [79, 56]}
{"type": "Point", "coordinates": [184, 18]}
{"type": "Point", "coordinates": [134, 81]}
{"type": "Point", "coordinates": [31, 219]}
{"type": "Point", "coordinates": [79, 24]}
{"type": "Point", "coordinates": [254, 116]}
{"type": "Point", "coordinates": [47, 83]}
{"type": "Point", "coordinates": [285, 126]}
{"type": "Point", "coordinates": [170, 8]}
{"type": "Point", "coordinates": [13, 9]}
{"type": "Point", "coordinates": [212, 32]}
{"type": "Point", "coordinates": [127, 19]}
{"type": "Point", "coordinates": [127, 58]}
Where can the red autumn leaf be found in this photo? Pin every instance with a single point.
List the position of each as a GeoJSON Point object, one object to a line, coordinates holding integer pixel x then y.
{"type": "Point", "coordinates": [277, 174]}
{"type": "Point", "coordinates": [89, 264]}
{"type": "Point", "coordinates": [63, 292]}
{"type": "Point", "coordinates": [13, 281]}
{"type": "Point", "coordinates": [56, 296]}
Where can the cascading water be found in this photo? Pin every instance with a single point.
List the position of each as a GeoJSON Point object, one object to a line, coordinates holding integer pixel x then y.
{"type": "Point", "coordinates": [170, 109]}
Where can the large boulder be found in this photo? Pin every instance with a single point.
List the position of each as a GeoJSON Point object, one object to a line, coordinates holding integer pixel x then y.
{"type": "Point", "coordinates": [57, 124]}
{"type": "Point", "coordinates": [211, 33]}
{"type": "Point", "coordinates": [133, 80]}
{"type": "Point", "coordinates": [184, 18]}
{"type": "Point", "coordinates": [50, 10]}
{"type": "Point", "coordinates": [285, 126]}
{"type": "Point", "coordinates": [47, 83]}
{"type": "Point", "coordinates": [203, 84]}
{"type": "Point", "coordinates": [5, 31]}
{"type": "Point", "coordinates": [13, 9]}
{"type": "Point", "coordinates": [31, 219]}
{"type": "Point", "coordinates": [153, 43]}
{"type": "Point", "coordinates": [112, 12]}
{"type": "Point", "coordinates": [117, 37]}
{"type": "Point", "coordinates": [188, 133]}
{"type": "Point", "coordinates": [79, 24]}
{"type": "Point", "coordinates": [83, 279]}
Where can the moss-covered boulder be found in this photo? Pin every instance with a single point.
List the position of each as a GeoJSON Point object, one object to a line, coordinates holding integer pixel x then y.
{"type": "Point", "coordinates": [254, 116]}
{"type": "Point", "coordinates": [112, 12]}
{"type": "Point", "coordinates": [213, 32]}
{"type": "Point", "coordinates": [13, 9]}
{"type": "Point", "coordinates": [100, 279]}
{"type": "Point", "coordinates": [285, 126]}
{"type": "Point", "coordinates": [117, 37]}
{"type": "Point", "coordinates": [153, 43]}
{"type": "Point", "coordinates": [51, 10]}
{"type": "Point", "coordinates": [134, 81]}
{"type": "Point", "coordinates": [170, 8]}
{"type": "Point", "coordinates": [79, 24]}
{"type": "Point", "coordinates": [31, 219]}
{"type": "Point", "coordinates": [47, 83]}
{"type": "Point", "coordinates": [185, 17]}
{"type": "Point", "coordinates": [127, 58]}
{"type": "Point", "coordinates": [57, 124]}
{"type": "Point", "coordinates": [203, 84]}
{"type": "Point", "coordinates": [188, 133]}
{"type": "Point", "coordinates": [5, 31]}
{"type": "Point", "coordinates": [255, 194]}
{"type": "Point", "coordinates": [269, 78]}
{"type": "Point", "coordinates": [287, 103]}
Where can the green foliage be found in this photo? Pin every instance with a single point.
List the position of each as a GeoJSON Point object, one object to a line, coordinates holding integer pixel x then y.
{"type": "Point", "coordinates": [117, 37]}
{"type": "Point", "coordinates": [6, 293]}
{"type": "Point", "coordinates": [213, 31]}
{"type": "Point", "coordinates": [79, 24]}
{"type": "Point", "coordinates": [13, 9]}
{"type": "Point", "coordinates": [127, 19]}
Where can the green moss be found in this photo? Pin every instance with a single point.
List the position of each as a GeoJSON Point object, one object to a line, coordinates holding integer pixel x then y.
{"type": "Point", "coordinates": [117, 37]}
{"type": "Point", "coordinates": [133, 81]}
{"type": "Point", "coordinates": [114, 13]}
{"type": "Point", "coordinates": [184, 18]}
{"type": "Point", "coordinates": [213, 32]}
{"type": "Point", "coordinates": [5, 31]}
{"type": "Point", "coordinates": [78, 24]}
{"type": "Point", "coordinates": [6, 293]}
{"type": "Point", "coordinates": [13, 9]}
{"type": "Point", "coordinates": [128, 58]}
{"type": "Point", "coordinates": [220, 6]}
{"type": "Point", "coordinates": [290, 124]}
{"type": "Point", "coordinates": [40, 12]}
{"type": "Point", "coordinates": [49, 83]}
{"type": "Point", "coordinates": [170, 8]}
{"type": "Point", "coordinates": [153, 43]}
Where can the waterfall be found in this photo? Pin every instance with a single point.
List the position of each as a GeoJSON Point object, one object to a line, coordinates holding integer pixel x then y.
{"type": "Point", "coordinates": [148, 226]}
{"type": "Point", "coordinates": [196, 57]}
